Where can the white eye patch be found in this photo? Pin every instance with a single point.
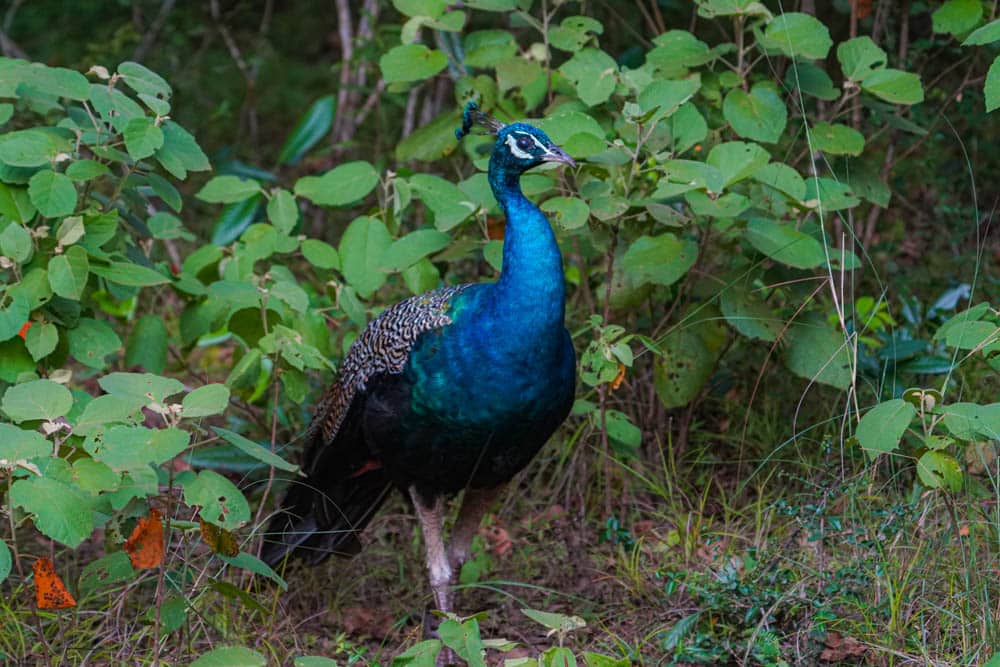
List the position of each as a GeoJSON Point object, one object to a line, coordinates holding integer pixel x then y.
{"type": "Point", "coordinates": [517, 151]}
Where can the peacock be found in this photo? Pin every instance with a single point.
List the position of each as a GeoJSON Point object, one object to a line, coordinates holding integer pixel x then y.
{"type": "Point", "coordinates": [452, 390]}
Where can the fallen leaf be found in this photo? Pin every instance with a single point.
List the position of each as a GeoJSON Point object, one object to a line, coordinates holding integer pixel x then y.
{"type": "Point", "coordinates": [145, 545]}
{"type": "Point", "coordinates": [366, 621]}
{"type": "Point", "coordinates": [50, 591]}
{"type": "Point", "coordinates": [219, 540]}
{"type": "Point", "coordinates": [840, 648]}
{"type": "Point", "coordinates": [499, 540]}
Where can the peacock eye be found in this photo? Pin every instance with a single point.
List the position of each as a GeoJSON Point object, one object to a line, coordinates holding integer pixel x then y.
{"type": "Point", "coordinates": [524, 143]}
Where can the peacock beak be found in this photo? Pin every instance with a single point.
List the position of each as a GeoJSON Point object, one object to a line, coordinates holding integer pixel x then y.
{"type": "Point", "coordinates": [556, 154]}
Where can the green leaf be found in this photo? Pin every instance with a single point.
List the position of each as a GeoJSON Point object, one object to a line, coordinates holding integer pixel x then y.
{"type": "Point", "coordinates": [147, 344]}
{"type": "Point", "coordinates": [68, 273]}
{"type": "Point", "coordinates": [882, 427]}
{"type": "Point", "coordinates": [38, 399]}
{"type": "Point", "coordinates": [818, 353]}
{"type": "Point", "coordinates": [234, 220]}
{"type": "Point", "coordinates": [180, 153]}
{"type": "Point", "coordinates": [361, 249]}
{"type": "Point", "coordinates": [19, 444]}
{"type": "Point", "coordinates": [971, 421]}
{"type": "Point", "coordinates": [464, 639]}
{"type": "Point", "coordinates": [340, 186]}
{"type": "Point", "coordinates": [163, 225]}
{"type": "Point", "coordinates": [211, 399]}
{"type": "Point", "coordinates": [567, 212]}
{"type": "Point", "coordinates": [142, 137]}
{"type": "Point", "coordinates": [311, 128]}
{"type": "Point", "coordinates": [52, 193]}
{"type": "Point", "coordinates": [760, 115]}
{"type": "Point", "coordinates": [94, 477]}
{"type": "Point", "coordinates": [574, 33]}
{"type": "Point", "coordinates": [421, 654]}
{"type": "Point", "coordinates": [132, 447]}
{"type": "Point", "coordinates": [5, 561]}
{"type": "Point", "coordinates": [986, 34]}
{"type": "Point", "coordinates": [749, 315]}
{"type": "Point", "coordinates": [84, 170]}
{"type": "Point", "coordinates": [30, 148]}
{"type": "Point", "coordinates": [430, 8]}
{"type": "Point", "coordinates": [782, 177]}
{"type": "Point", "coordinates": [253, 564]}
{"type": "Point", "coordinates": [130, 275]}
{"type": "Point", "coordinates": [485, 48]}
{"type": "Point", "coordinates": [40, 78]}
{"type": "Point", "coordinates": [837, 139]}
{"type": "Point", "coordinates": [314, 661]}
{"type": "Point", "coordinates": [661, 99]}
{"type": "Point", "coordinates": [829, 194]}
{"type": "Point", "coordinates": [112, 569]}
{"type": "Point", "coordinates": [446, 201]}
{"type": "Point", "coordinates": [13, 317]}
{"type": "Point", "coordinates": [283, 211]}
{"type": "Point", "coordinates": [811, 80]}
{"type": "Point", "coordinates": [553, 621]}
{"type": "Point", "coordinates": [688, 356]}
{"type": "Point", "coordinates": [221, 502]}
{"type": "Point", "coordinates": [16, 204]}
{"type": "Point", "coordinates": [411, 62]}
{"type": "Point", "coordinates": [228, 189]}
{"type": "Point", "coordinates": [41, 339]}
{"type": "Point", "coordinates": [408, 250]}
{"type": "Point", "coordinates": [320, 254]}
{"type": "Point", "coordinates": [492, 5]}
{"type": "Point", "coordinates": [859, 57]}
{"type": "Point", "coordinates": [230, 656]}
{"type": "Point", "coordinates": [662, 259]}
{"type": "Point", "coordinates": [593, 73]}
{"type": "Point", "coordinates": [894, 85]}
{"type": "Point", "coordinates": [785, 244]}
{"type": "Point", "coordinates": [432, 141]}
{"type": "Point", "coordinates": [146, 386]}
{"type": "Point", "coordinates": [61, 512]}
{"type": "Point", "coordinates": [108, 409]}
{"type": "Point", "coordinates": [90, 341]}
{"type": "Point", "coordinates": [15, 242]}
{"type": "Point", "coordinates": [143, 80]}
{"type": "Point", "coordinates": [738, 160]}
{"type": "Point", "coordinates": [939, 470]}
{"type": "Point", "coordinates": [992, 88]}
{"type": "Point", "coordinates": [798, 35]}
{"type": "Point", "coordinates": [6, 112]}
{"type": "Point", "coordinates": [165, 191]}
{"type": "Point", "coordinates": [255, 450]}
{"type": "Point", "coordinates": [957, 17]}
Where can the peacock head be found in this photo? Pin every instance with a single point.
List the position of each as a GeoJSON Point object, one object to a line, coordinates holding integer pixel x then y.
{"type": "Point", "coordinates": [518, 147]}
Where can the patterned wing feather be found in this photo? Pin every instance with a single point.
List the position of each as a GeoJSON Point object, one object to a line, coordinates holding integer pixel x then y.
{"type": "Point", "coordinates": [383, 347]}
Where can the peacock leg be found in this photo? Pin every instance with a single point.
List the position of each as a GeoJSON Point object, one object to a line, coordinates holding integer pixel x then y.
{"type": "Point", "coordinates": [474, 506]}
{"type": "Point", "coordinates": [432, 524]}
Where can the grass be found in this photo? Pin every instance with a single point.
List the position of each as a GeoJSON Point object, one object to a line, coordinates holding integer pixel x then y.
{"type": "Point", "coordinates": [797, 557]}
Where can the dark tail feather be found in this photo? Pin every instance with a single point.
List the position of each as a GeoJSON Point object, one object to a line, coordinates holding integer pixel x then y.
{"type": "Point", "coordinates": [319, 520]}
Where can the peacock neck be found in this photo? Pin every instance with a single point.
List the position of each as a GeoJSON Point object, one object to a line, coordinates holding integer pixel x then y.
{"type": "Point", "coordinates": [531, 280]}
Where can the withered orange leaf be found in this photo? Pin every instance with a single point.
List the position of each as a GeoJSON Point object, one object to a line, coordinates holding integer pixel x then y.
{"type": "Point", "coordinates": [617, 382]}
{"type": "Point", "coordinates": [50, 591]}
{"type": "Point", "coordinates": [219, 540]}
{"type": "Point", "coordinates": [145, 545]}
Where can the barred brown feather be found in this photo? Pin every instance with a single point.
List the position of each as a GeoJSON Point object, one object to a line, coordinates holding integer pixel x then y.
{"type": "Point", "coordinates": [383, 347]}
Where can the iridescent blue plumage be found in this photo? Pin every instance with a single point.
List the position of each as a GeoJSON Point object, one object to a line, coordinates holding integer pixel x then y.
{"type": "Point", "coordinates": [453, 390]}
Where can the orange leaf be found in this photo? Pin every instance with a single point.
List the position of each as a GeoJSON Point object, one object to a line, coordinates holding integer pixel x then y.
{"type": "Point", "coordinates": [495, 228]}
{"type": "Point", "coordinates": [145, 545]}
{"type": "Point", "coordinates": [50, 591]}
{"type": "Point", "coordinates": [617, 382]}
{"type": "Point", "coordinates": [863, 8]}
{"type": "Point", "coordinates": [221, 541]}
{"type": "Point", "coordinates": [23, 333]}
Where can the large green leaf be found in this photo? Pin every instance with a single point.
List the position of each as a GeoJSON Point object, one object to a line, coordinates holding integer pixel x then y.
{"type": "Point", "coordinates": [798, 35]}
{"type": "Point", "coordinates": [230, 656]}
{"type": "Point", "coordinates": [18, 444]}
{"type": "Point", "coordinates": [971, 421]}
{"type": "Point", "coordinates": [859, 57]}
{"type": "Point", "coordinates": [340, 186]}
{"type": "Point", "coordinates": [221, 502]}
{"type": "Point", "coordinates": [882, 427]}
{"type": "Point", "coordinates": [836, 139]}
{"type": "Point", "coordinates": [662, 259]}
{"type": "Point", "coordinates": [818, 353]}
{"type": "Point", "coordinates": [992, 87]}
{"type": "Point", "coordinates": [749, 315]}
{"type": "Point", "coordinates": [738, 160]}
{"type": "Point", "coordinates": [361, 248]}
{"type": "Point", "coordinates": [594, 73]}
{"type": "Point", "coordinates": [894, 85]}
{"type": "Point", "coordinates": [687, 358]}
{"type": "Point", "coordinates": [986, 34]}
{"type": "Point", "coordinates": [68, 273]}
{"type": "Point", "coordinates": [52, 193]}
{"type": "Point", "coordinates": [60, 511]}
{"type": "Point", "coordinates": [30, 148]}
{"type": "Point", "coordinates": [760, 115]}
{"type": "Point", "coordinates": [228, 189]}
{"type": "Point", "coordinates": [143, 80]}
{"type": "Point", "coordinates": [129, 274]}
{"type": "Point", "coordinates": [485, 48]}
{"type": "Point", "coordinates": [311, 128]}
{"type": "Point", "coordinates": [957, 17]}
{"type": "Point", "coordinates": [5, 561]}
{"type": "Point", "coordinates": [38, 399]}
{"type": "Point", "coordinates": [408, 250]}
{"type": "Point", "coordinates": [411, 62]}
{"type": "Point", "coordinates": [446, 201]}
{"type": "Point", "coordinates": [210, 399]}
{"type": "Point", "coordinates": [132, 447]}
{"type": "Point", "coordinates": [255, 450]}
{"type": "Point", "coordinates": [785, 244]}
{"type": "Point", "coordinates": [142, 137]}
{"type": "Point", "coordinates": [938, 469]}
{"type": "Point", "coordinates": [146, 386]}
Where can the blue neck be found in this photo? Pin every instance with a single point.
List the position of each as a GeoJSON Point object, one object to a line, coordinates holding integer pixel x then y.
{"type": "Point", "coordinates": [531, 280]}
